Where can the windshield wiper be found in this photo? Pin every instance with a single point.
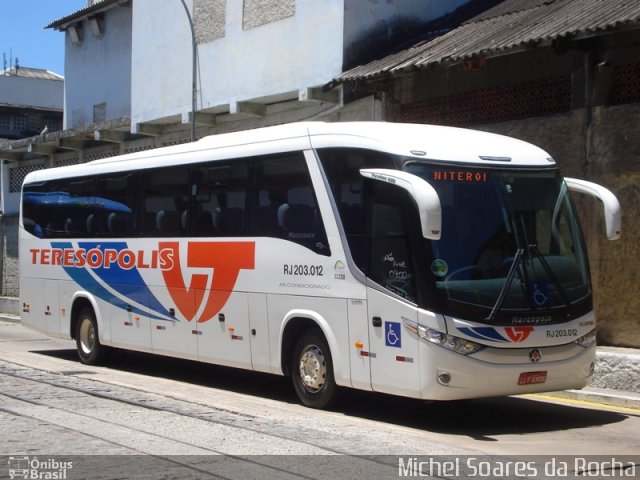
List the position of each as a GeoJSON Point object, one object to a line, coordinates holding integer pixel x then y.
{"type": "Point", "coordinates": [517, 259]}
{"type": "Point", "coordinates": [507, 284]}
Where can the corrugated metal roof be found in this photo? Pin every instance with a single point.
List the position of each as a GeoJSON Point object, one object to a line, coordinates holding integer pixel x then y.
{"type": "Point", "coordinates": [98, 6]}
{"type": "Point", "coordinates": [28, 72]}
{"type": "Point", "coordinates": [511, 25]}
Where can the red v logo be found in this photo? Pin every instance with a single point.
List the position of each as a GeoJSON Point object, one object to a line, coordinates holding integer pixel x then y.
{"type": "Point", "coordinates": [225, 259]}
{"type": "Point", "coordinates": [518, 334]}
{"type": "Point", "coordinates": [187, 300]}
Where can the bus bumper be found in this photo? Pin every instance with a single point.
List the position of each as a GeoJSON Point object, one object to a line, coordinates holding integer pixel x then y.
{"type": "Point", "coordinates": [446, 375]}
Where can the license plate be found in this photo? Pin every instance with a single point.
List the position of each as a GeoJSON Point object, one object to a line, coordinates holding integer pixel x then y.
{"type": "Point", "coordinates": [532, 378]}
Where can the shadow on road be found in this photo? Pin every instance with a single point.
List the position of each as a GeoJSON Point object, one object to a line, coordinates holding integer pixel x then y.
{"type": "Point", "coordinates": [480, 419]}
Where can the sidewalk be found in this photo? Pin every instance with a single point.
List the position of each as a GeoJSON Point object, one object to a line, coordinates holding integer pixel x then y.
{"type": "Point", "coordinates": [615, 382]}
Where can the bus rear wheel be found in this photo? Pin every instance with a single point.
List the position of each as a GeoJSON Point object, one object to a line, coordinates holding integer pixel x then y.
{"type": "Point", "coordinates": [90, 350]}
{"type": "Point", "coordinates": [312, 371]}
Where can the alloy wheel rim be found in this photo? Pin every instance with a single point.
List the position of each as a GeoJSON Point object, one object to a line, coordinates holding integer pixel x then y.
{"type": "Point", "coordinates": [87, 336]}
{"type": "Point", "coordinates": [313, 369]}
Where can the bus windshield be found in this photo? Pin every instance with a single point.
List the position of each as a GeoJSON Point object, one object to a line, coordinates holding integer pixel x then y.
{"type": "Point", "coordinates": [510, 245]}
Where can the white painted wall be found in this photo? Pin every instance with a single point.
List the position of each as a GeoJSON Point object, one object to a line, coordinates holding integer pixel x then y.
{"type": "Point", "coordinates": [161, 60]}
{"type": "Point", "coordinates": [275, 59]}
{"type": "Point", "coordinates": [99, 70]}
{"type": "Point", "coordinates": [272, 59]}
{"type": "Point", "coordinates": [32, 92]}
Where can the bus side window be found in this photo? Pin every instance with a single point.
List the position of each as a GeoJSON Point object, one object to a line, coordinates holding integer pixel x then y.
{"type": "Point", "coordinates": [165, 193]}
{"type": "Point", "coordinates": [116, 193]}
{"type": "Point", "coordinates": [342, 168]}
{"type": "Point", "coordinates": [389, 253]}
{"type": "Point", "coordinates": [285, 205]}
{"type": "Point", "coordinates": [219, 205]}
{"type": "Point", "coordinates": [32, 212]}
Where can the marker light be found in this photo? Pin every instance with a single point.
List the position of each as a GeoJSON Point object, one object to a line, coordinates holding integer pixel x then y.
{"type": "Point", "coordinates": [587, 340]}
{"type": "Point", "coordinates": [444, 378]}
{"type": "Point", "coordinates": [455, 344]}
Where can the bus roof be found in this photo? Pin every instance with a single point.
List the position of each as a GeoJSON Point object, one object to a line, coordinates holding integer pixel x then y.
{"type": "Point", "coordinates": [449, 144]}
{"type": "Point", "coordinates": [432, 142]}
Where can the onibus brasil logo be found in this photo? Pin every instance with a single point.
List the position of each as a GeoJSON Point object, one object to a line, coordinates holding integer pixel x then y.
{"type": "Point", "coordinates": [38, 468]}
{"type": "Point", "coordinates": [112, 272]}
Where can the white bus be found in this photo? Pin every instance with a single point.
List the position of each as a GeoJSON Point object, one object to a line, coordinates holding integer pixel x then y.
{"type": "Point", "coordinates": [424, 261]}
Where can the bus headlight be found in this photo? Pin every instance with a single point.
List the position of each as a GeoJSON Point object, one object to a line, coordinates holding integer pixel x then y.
{"type": "Point", "coordinates": [587, 340]}
{"type": "Point", "coordinates": [455, 344]}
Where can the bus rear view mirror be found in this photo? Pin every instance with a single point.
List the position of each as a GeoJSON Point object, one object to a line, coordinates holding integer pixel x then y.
{"type": "Point", "coordinates": [612, 213]}
{"type": "Point", "coordinates": [422, 192]}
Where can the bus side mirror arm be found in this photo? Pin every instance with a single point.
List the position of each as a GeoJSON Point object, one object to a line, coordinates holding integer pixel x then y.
{"type": "Point", "coordinates": [612, 212]}
{"type": "Point", "coordinates": [421, 191]}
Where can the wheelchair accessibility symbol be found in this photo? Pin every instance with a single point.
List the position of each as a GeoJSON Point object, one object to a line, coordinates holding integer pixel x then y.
{"type": "Point", "coordinates": [392, 334]}
{"type": "Point", "coordinates": [540, 295]}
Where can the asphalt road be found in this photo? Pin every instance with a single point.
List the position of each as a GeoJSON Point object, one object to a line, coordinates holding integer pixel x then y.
{"type": "Point", "coordinates": [157, 410]}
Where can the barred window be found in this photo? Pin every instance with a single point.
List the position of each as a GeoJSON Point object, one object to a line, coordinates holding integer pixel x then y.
{"type": "Point", "coordinates": [100, 155]}
{"type": "Point", "coordinates": [625, 85]}
{"type": "Point", "coordinates": [16, 176]}
{"type": "Point", "coordinates": [63, 162]}
{"type": "Point", "coordinates": [490, 105]}
{"type": "Point", "coordinates": [15, 123]}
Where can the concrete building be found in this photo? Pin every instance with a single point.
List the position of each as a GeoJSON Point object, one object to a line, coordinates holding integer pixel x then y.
{"type": "Point", "coordinates": [30, 100]}
{"type": "Point", "coordinates": [253, 56]}
{"type": "Point", "coordinates": [98, 61]}
{"type": "Point", "coordinates": [30, 103]}
{"type": "Point", "coordinates": [129, 83]}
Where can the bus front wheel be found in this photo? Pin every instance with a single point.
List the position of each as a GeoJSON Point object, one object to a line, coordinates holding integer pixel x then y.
{"type": "Point", "coordinates": [90, 350]}
{"type": "Point", "coordinates": [312, 371]}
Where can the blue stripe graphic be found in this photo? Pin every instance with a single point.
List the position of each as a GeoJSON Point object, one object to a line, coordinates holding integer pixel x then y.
{"type": "Point", "coordinates": [128, 283]}
{"type": "Point", "coordinates": [483, 333]}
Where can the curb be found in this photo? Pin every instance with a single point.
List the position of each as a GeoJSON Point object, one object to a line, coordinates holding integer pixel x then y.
{"type": "Point", "coordinates": [603, 396]}
{"type": "Point", "coordinates": [10, 317]}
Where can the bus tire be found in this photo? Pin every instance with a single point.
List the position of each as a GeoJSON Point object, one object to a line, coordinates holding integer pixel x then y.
{"type": "Point", "coordinates": [312, 371]}
{"type": "Point", "coordinates": [90, 350]}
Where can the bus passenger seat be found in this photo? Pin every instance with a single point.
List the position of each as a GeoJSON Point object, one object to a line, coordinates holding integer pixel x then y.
{"type": "Point", "coordinates": [298, 219]}
{"type": "Point", "coordinates": [203, 224]}
{"type": "Point", "coordinates": [230, 221]}
{"type": "Point", "coordinates": [267, 221]}
{"type": "Point", "coordinates": [117, 224]}
{"type": "Point", "coordinates": [168, 223]}
{"type": "Point", "coordinates": [94, 225]}
{"type": "Point", "coordinates": [70, 228]}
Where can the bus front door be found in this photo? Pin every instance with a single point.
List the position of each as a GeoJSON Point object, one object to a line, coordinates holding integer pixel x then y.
{"type": "Point", "coordinates": [393, 349]}
{"type": "Point", "coordinates": [391, 293]}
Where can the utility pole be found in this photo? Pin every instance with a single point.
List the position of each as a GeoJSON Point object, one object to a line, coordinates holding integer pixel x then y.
{"type": "Point", "coordinates": [194, 86]}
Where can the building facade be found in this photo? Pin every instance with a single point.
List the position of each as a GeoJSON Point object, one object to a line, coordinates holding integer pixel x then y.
{"type": "Point", "coordinates": [30, 100]}
{"type": "Point", "coordinates": [98, 61]}
{"type": "Point", "coordinates": [129, 81]}
{"type": "Point", "coordinates": [572, 88]}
